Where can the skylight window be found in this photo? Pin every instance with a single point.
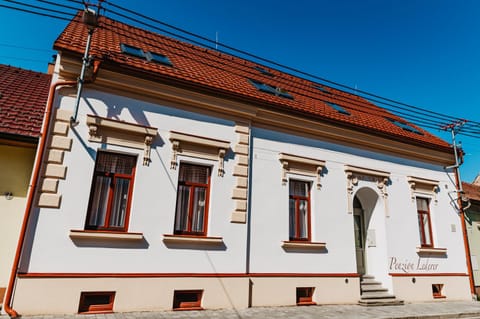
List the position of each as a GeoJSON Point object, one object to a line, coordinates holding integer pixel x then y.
{"type": "Point", "coordinates": [271, 89]}
{"type": "Point", "coordinates": [131, 50]}
{"type": "Point", "coordinates": [322, 89]}
{"type": "Point", "coordinates": [338, 108]}
{"type": "Point", "coordinates": [263, 71]}
{"type": "Point", "coordinates": [405, 126]}
{"type": "Point", "coordinates": [157, 57]}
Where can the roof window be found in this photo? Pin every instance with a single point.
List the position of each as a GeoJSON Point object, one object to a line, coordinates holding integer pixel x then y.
{"type": "Point", "coordinates": [263, 71]}
{"type": "Point", "coordinates": [338, 108]}
{"type": "Point", "coordinates": [322, 89]}
{"type": "Point", "coordinates": [405, 126]}
{"type": "Point", "coordinates": [157, 57]}
{"type": "Point", "coordinates": [271, 89]}
{"type": "Point", "coordinates": [131, 50]}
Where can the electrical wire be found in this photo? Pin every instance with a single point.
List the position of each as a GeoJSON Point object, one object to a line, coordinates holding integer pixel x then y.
{"type": "Point", "coordinates": [414, 118]}
{"type": "Point", "coordinates": [278, 64]}
{"type": "Point", "coordinates": [37, 7]}
{"type": "Point", "coordinates": [24, 48]}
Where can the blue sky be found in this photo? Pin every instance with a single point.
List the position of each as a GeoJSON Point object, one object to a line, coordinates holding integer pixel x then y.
{"type": "Point", "coordinates": [423, 53]}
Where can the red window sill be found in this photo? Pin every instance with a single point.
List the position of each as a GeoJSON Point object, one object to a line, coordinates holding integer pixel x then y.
{"type": "Point", "coordinates": [431, 250]}
{"type": "Point", "coordinates": [304, 245]}
{"type": "Point", "coordinates": [188, 309]}
{"type": "Point", "coordinates": [306, 303]}
{"type": "Point", "coordinates": [190, 239]}
{"type": "Point", "coordinates": [106, 235]}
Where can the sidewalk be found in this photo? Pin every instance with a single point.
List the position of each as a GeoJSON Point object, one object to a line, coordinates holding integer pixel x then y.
{"type": "Point", "coordinates": [432, 310]}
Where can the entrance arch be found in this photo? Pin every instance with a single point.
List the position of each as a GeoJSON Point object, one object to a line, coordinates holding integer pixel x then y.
{"type": "Point", "coordinates": [370, 232]}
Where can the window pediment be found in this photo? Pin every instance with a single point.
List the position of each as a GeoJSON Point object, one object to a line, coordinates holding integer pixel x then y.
{"type": "Point", "coordinates": [109, 131]}
{"type": "Point", "coordinates": [302, 166]}
{"type": "Point", "coordinates": [198, 146]}
{"type": "Point", "coordinates": [419, 185]}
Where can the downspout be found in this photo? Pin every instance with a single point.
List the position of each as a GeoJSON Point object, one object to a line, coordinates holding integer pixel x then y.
{"type": "Point", "coordinates": [31, 193]}
{"type": "Point", "coordinates": [249, 214]}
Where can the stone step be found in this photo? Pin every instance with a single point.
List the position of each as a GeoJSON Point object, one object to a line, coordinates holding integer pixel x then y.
{"type": "Point", "coordinates": [380, 302]}
{"type": "Point", "coordinates": [369, 282]}
{"type": "Point", "coordinates": [373, 288]}
{"type": "Point", "coordinates": [376, 295]}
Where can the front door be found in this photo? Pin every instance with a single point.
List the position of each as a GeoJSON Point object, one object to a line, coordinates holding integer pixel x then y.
{"type": "Point", "coordinates": [359, 227]}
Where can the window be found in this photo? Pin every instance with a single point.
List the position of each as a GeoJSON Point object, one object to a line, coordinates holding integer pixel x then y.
{"type": "Point", "coordinates": [271, 89]}
{"type": "Point", "coordinates": [131, 50]}
{"type": "Point", "coordinates": [322, 89]}
{"type": "Point", "coordinates": [338, 108]}
{"type": "Point", "coordinates": [299, 210]}
{"type": "Point", "coordinates": [94, 302]}
{"type": "Point", "coordinates": [192, 200]}
{"type": "Point", "coordinates": [263, 71]}
{"type": "Point", "coordinates": [305, 296]}
{"type": "Point", "coordinates": [424, 222]}
{"type": "Point", "coordinates": [160, 58]}
{"type": "Point", "coordinates": [111, 192]}
{"type": "Point", "coordinates": [187, 299]}
{"type": "Point", "coordinates": [405, 126]}
{"type": "Point", "coordinates": [437, 291]}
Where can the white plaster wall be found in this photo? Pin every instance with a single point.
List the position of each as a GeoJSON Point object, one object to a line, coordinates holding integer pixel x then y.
{"type": "Point", "coordinates": [153, 203]}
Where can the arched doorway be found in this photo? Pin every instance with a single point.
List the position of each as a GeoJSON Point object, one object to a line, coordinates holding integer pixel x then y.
{"type": "Point", "coordinates": [359, 227]}
{"type": "Point", "coordinates": [368, 215]}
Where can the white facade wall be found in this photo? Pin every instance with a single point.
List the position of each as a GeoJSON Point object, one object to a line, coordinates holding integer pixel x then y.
{"type": "Point", "coordinates": [153, 204]}
{"type": "Point", "coordinates": [251, 258]}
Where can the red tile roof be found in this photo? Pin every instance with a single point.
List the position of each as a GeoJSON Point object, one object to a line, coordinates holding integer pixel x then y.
{"type": "Point", "coordinates": [221, 73]}
{"type": "Point", "coordinates": [23, 97]}
{"type": "Point", "coordinates": [472, 191]}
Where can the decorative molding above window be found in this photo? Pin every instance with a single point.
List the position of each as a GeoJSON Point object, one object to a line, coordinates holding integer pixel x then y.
{"type": "Point", "coordinates": [103, 130]}
{"type": "Point", "coordinates": [420, 185]}
{"type": "Point", "coordinates": [431, 251]}
{"type": "Point", "coordinates": [110, 235]}
{"type": "Point", "coordinates": [301, 165]}
{"type": "Point", "coordinates": [355, 173]}
{"type": "Point", "coordinates": [198, 146]}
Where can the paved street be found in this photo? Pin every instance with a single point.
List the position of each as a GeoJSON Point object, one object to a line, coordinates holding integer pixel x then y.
{"type": "Point", "coordinates": [434, 310]}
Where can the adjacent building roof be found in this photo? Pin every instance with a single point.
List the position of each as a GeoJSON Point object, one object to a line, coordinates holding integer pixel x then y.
{"type": "Point", "coordinates": [472, 191]}
{"type": "Point", "coordinates": [144, 53]}
{"type": "Point", "coordinates": [23, 98]}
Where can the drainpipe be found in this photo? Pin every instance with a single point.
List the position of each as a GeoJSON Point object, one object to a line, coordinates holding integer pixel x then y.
{"type": "Point", "coordinates": [31, 193]}
{"type": "Point", "coordinates": [249, 213]}
{"type": "Point", "coordinates": [461, 210]}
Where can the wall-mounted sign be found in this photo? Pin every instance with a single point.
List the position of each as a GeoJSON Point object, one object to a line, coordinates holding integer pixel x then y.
{"type": "Point", "coordinates": [408, 266]}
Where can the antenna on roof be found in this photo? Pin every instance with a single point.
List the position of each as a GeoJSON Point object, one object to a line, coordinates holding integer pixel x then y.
{"type": "Point", "coordinates": [90, 19]}
{"type": "Point", "coordinates": [216, 40]}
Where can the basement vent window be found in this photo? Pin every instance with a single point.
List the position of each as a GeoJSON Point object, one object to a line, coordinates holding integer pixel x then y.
{"type": "Point", "coordinates": [405, 126]}
{"type": "Point", "coordinates": [96, 302]}
{"type": "Point", "coordinates": [131, 50]}
{"type": "Point", "coordinates": [187, 300]}
{"type": "Point", "coordinates": [159, 58]}
{"type": "Point", "coordinates": [263, 71]}
{"type": "Point", "coordinates": [322, 89]}
{"type": "Point", "coordinates": [305, 296]}
{"type": "Point", "coordinates": [271, 89]}
{"type": "Point", "coordinates": [437, 291]}
{"type": "Point", "coordinates": [338, 108]}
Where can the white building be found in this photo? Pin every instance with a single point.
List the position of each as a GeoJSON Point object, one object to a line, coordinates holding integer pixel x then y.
{"type": "Point", "coordinates": [194, 179]}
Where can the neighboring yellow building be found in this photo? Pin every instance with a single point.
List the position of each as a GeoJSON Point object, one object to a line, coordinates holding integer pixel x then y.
{"type": "Point", "coordinates": [472, 191]}
{"type": "Point", "coordinates": [23, 96]}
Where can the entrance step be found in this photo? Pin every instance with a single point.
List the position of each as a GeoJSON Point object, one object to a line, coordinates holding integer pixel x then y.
{"type": "Point", "coordinates": [374, 294]}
